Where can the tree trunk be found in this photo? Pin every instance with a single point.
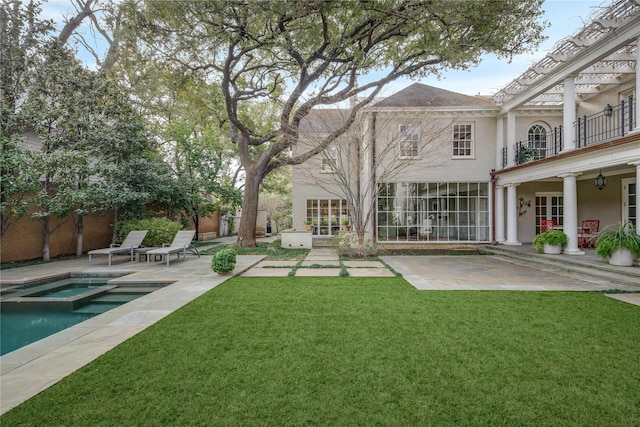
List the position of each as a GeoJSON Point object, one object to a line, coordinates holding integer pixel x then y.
{"type": "Point", "coordinates": [46, 255]}
{"type": "Point", "coordinates": [80, 229]}
{"type": "Point", "coordinates": [196, 223]}
{"type": "Point", "coordinates": [249, 217]}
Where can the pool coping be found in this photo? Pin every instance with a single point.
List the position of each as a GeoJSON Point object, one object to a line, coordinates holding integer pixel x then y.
{"type": "Point", "coordinates": [31, 369]}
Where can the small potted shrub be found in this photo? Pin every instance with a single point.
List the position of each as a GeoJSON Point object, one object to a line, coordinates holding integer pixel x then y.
{"type": "Point", "coordinates": [619, 245]}
{"type": "Point", "coordinates": [308, 226]}
{"type": "Point", "coordinates": [224, 261]}
{"type": "Point", "coordinates": [550, 242]}
{"type": "Point", "coordinates": [345, 224]}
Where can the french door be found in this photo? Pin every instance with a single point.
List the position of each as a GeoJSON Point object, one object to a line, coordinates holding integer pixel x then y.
{"type": "Point", "coordinates": [549, 206]}
{"type": "Point", "coordinates": [629, 201]}
{"type": "Point", "coordinates": [326, 215]}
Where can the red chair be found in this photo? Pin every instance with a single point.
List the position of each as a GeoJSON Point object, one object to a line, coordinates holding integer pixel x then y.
{"type": "Point", "coordinates": [546, 224]}
{"type": "Point", "coordinates": [588, 233]}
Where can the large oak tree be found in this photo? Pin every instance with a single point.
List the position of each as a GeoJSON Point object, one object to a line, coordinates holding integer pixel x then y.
{"type": "Point", "coordinates": [297, 55]}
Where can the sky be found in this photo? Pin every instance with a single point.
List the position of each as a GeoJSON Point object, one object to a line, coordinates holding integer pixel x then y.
{"type": "Point", "coordinates": [565, 17]}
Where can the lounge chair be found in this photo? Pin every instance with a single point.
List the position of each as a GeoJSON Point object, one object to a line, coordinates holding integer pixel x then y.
{"type": "Point", "coordinates": [180, 244]}
{"type": "Point", "coordinates": [131, 243]}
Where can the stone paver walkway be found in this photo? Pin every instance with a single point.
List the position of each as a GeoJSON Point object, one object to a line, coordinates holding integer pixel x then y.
{"type": "Point", "coordinates": [319, 262]}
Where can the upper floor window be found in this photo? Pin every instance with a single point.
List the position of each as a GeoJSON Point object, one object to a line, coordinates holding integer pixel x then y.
{"type": "Point", "coordinates": [463, 140]}
{"type": "Point", "coordinates": [537, 138]}
{"type": "Point", "coordinates": [329, 158]}
{"type": "Point", "coordinates": [409, 140]}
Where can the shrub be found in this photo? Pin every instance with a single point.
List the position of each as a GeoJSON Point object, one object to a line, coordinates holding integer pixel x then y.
{"type": "Point", "coordinates": [550, 237]}
{"type": "Point", "coordinates": [346, 244]}
{"type": "Point", "coordinates": [224, 260]}
{"type": "Point", "coordinates": [624, 236]}
{"type": "Point", "coordinates": [160, 230]}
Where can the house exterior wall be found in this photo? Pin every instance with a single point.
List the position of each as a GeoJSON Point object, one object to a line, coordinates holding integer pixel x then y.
{"type": "Point", "coordinates": [437, 162]}
{"type": "Point", "coordinates": [434, 166]}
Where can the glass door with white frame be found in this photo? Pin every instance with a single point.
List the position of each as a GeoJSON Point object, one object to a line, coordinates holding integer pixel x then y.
{"type": "Point", "coordinates": [549, 206]}
{"type": "Point", "coordinates": [629, 201]}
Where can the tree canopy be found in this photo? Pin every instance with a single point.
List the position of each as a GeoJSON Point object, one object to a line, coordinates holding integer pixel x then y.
{"type": "Point", "coordinates": [297, 55]}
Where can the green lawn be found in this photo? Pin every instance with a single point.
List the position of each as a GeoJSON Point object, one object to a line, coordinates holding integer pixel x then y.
{"type": "Point", "coordinates": [349, 351]}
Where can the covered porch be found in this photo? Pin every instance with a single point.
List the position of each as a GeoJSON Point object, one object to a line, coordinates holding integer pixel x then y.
{"type": "Point", "coordinates": [563, 188]}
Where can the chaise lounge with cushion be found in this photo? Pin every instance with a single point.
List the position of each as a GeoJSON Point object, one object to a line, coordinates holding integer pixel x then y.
{"type": "Point", "coordinates": [132, 242]}
{"type": "Point", "coordinates": [181, 244]}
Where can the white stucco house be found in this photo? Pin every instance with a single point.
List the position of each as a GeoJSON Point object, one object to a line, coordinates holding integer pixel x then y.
{"type": "Point", "coordinates": [450, 168]}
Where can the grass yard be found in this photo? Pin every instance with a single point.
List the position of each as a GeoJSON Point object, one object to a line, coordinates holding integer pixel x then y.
{"type": "Point", "coordinates": [359, 351]}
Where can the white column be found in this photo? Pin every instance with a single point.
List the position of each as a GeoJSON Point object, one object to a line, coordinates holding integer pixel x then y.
{"type": "Point", "coordinates": [499, 214]}
{"type": "Point", "coordinates": [511, 138]}
{"type": "Point", "coordinates": [569, 114]}
{"type": "Point", "coordinates": [637, 128]}
{"type": "Point", "coordinates": [570, 216]}
{"type": "Point", "coordinates": [512, 216]}
{"type": "Point", "coordinates": [499, 141]}
{"type": "Point", "coordinates": [637, 165]}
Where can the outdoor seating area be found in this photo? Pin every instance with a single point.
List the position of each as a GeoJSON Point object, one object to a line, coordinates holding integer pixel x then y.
{"type": "Point", "coordinates": [132, 245]}
{"type": "Point", "coordinates": [587, 232]}
{"type": "Point", "coordinates": [132, 242]}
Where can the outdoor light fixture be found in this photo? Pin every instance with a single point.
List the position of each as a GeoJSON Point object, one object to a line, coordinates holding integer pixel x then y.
{"type": "Point", "coordinates": [601, 181]}
{"type": "Point", "coordinates": [608, 110]}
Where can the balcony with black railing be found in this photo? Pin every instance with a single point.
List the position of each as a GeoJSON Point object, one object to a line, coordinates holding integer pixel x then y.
{"type": "Point", "coordinates": [611, 123]}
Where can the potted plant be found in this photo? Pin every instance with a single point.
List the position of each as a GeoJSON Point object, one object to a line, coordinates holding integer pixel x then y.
{"type": "Point", "coordinates": [224, 261]}
{"type": "Point", "coordinates": [550, 242]}
{"type": "Point", "coordinates": [345, 224]}
{"type": "Point", "coordinates": [619, 245]}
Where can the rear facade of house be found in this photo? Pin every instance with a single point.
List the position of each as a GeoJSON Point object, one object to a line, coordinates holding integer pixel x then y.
{"type": "Point", "coordinates": [560, 143]}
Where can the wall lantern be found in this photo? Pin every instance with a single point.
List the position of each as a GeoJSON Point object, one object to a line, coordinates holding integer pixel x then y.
{"type": "Point", "coordinates": [601, 181]}
{"type": "Point", "coordinates": [608, 110]}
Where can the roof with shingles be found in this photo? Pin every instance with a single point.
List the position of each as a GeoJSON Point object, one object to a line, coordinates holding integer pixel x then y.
{"type": "Point", "coordinates": [421, 95]}
{"type": "Point", "coordinates": [323, 120]}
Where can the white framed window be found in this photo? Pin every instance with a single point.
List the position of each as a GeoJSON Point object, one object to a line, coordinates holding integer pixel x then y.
{"type": "Point", "coordinates": [537, 138]}
{"type": "Point", "coordinates": [409, 140]}
{"type": "Point", "coordinates": [463, 140]}
{"type": "Point", "coordinates": [329, 159]}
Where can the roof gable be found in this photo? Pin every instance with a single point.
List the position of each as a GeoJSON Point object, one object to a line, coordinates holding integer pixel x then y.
{"type": "Point", "coordinates": [421, 95]}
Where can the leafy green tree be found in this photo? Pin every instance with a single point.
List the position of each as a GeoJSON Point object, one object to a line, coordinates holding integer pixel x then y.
{"type": "Point", "coordinates": [21, 36]}
{"type": "Point", "coordinates": [197, 167]}
{"type": "Point", "coordinates": [297, 55]}
{"type": "Point", "coordinates": [20, 181]}
{"type": "Point", "coordinates": [85, 123]}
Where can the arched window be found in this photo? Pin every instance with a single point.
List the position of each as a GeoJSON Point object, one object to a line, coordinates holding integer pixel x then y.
{"type": "Point", "coordinates": [538, 140]}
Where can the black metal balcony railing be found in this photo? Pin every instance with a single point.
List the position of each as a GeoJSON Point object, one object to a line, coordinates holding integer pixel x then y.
{"type": "Point", "coordinates": [612, 122]}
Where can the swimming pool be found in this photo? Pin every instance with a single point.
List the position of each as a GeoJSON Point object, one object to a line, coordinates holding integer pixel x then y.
{"type": "Point", "coordinates": [30, 314]}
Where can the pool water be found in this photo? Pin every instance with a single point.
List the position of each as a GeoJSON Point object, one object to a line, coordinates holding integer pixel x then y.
{"type": "Point", "coordinates": [70, 291]}
{"type": "Point", "coordinates": [37, 315]}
